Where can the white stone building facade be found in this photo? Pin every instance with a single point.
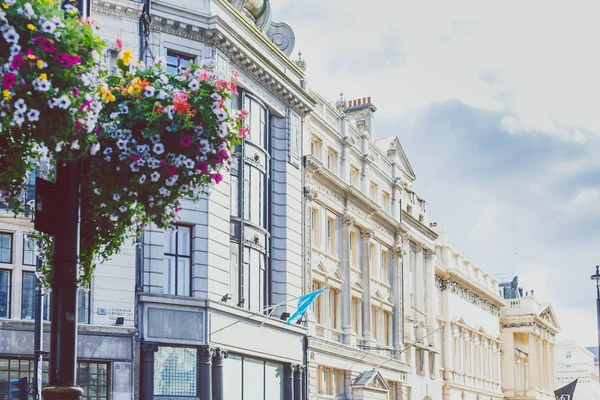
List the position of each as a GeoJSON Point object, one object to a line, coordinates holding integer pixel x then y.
{"type": "Point", "coordinates": [205, 285]}
{"type": "Point", "coordinates": [576, 362]}
{"type": "Point", "coordinates": [369, 240]}
{"type": "Point", "coordinates": [468, 310]}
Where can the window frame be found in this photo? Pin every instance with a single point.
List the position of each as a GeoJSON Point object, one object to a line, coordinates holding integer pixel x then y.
{"type": "Point", "coordinates": [25, 240]}
{"type": "Point", "coordinates": [11, 247]}
{"type": "Point", "coordinates": [180, 56]}
{"type": "Point", "coordinates": [176, 256]}
{"type": "Point", "coordinates": [9, 293]}
{"type": "Point", "coordinates": [238, 223]}
{"type": "Point", "coordinates": [196, 365]}
{"type": "Point", "coordinates": [354, 176]}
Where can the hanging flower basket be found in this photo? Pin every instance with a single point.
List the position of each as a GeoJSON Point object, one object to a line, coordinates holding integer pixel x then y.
{"type": "Point", "coordinates": [162, 138]}
{"type": "Point", "coordinates": [49, 70]}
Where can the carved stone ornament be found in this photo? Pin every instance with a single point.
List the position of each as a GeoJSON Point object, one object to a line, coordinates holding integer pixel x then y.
{"type": "Point", "coordinates": [367, 233]}
{"type": "Point", "coordinates": [398, 252]}
{"type": "Point", "coordinates": [340, 105]}
{"type": "Point", "coordinates": [348, 219]}
{"type": "Point", "coordinates": [361, 124]}
{"type": "Point", "coordinates": [282, 35]}
{"type": "Point", "coordinates": [310, 193]}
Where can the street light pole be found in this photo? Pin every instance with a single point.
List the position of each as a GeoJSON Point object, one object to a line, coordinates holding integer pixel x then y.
{"type": "Point", "coordinates": [596, 277]}
{"type": "Point", "coordinates": [63, 329]}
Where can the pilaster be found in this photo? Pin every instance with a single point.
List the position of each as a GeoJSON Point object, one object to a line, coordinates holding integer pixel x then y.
{"type": "Point", "coordinates": [204, 385]}
{"type": "Point", "coordinates": [365, 236]}
{"type": "Point", "coordinates": [349, 337]}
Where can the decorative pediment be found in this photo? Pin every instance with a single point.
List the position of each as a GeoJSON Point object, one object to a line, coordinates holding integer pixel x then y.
{"type": "Point", "coordinates": [549, 317]}
{"type": "Point", "coordinates": [358, 286]}
{"type": "Point", "coordinates": [321, 270]}
{"type": "Point", "coordinates": [389, 300]}
{"type": "Point", "coordinates": [336, 275]}
{"type": "Point", "coordinates": [371, 380]}
{"type": "Point", "coordinates": [378, 295]}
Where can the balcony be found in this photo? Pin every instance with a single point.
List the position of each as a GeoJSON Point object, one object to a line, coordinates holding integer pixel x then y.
{"type": "Point", "coordinates": [27, 195]}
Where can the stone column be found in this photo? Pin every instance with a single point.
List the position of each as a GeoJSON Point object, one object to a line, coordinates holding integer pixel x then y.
{"type": "Point", "coordinates": [147, 370]}
{"type": "Point", "coordinates": [310, 195]}
{"type": "Point", "coordinates": [349, 337]}
{"type": "Point", "coordinates": [539, 366]}
{"type": "Point", "coordinates": [217, 373]}
{"type": "Point", "coordinates": [397, 312]}
{"type": "Point", "coordinates": [288, 381]}
{"type": "Point", "coordinates": [430, 258]}
{"type": "Point", "coordinates": [420, 296]}
{"type": "Point", "coordinates": [365, 236]}
{"type": "Point", "coordinates": [298, 375]}
{"type": "Point", "coordinates": [206, 355]}
{"type": "Point", "coordinates": [409, 330]}
{"type": "Point", "coordinates": [547, 365]}
{"type": "Point", "coordinates": [533, 373]}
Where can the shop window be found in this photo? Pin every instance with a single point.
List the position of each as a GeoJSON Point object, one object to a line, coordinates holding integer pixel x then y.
{"type": "Point", "coordinates": [252, 379]}
{"type": "Point", "coordinates": [175, 371]}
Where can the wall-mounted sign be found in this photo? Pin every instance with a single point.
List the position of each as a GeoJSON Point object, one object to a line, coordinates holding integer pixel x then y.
{"type": "Point", "coordinates": [102, 311]}
{"type": "Point", "coordinates": [125, 312]}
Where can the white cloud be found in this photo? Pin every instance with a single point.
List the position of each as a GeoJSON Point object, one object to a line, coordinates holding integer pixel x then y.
{"type": "Point", "coordinates": [536, 61]}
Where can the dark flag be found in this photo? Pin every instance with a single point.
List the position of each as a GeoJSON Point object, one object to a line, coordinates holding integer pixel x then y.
{"type": "Point", "coordinates": [566, 392]}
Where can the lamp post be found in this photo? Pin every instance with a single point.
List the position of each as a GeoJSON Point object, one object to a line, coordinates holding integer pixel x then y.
{"type": "Point", "coordinates": [596, 277]}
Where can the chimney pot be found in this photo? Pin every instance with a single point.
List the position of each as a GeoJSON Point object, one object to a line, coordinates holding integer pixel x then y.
{"type": "Point", "coordinates": [349, 103]}
{"type": "Point", "coordinates": [359, 102]}
{"type": "Point", "coordinates": [369, 99]}
{"type": "Point", "coordinates": [354, 103]}
{"type": "Point", "coordinates": [364, 100]}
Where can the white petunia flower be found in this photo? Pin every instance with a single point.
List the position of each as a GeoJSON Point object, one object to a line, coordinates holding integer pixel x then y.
{"type": "Point", "coordinates": [142, 178]}
{"type": "Point", "coordinates": [33, 115]}
{"type": "Point", "coordinates": [194, 84]}
{"type": "Point", "coordinates": [20, 105]}
{"type": "Point", "coordinates": [155, 176]}
{"type": "Point", "coordinates": [159, 148]}
{"type": "Point", "coordinates": [97, 190]}
{"type": "Point", "coordinates": [114, 217]}
{"type": "Point", "coordinates": [149, 91]}
{"type": "Point", "coordinates": [122, 144]}
{"type": "Point", "coordinates": [116, 197]}
{"type": "Point", "coordinates": [122, 209]}
{"type": "Point", "coordinates": [48, 27]}
{"type": "Point", "coordinates": [75, 145]}
{"type": "Point", "coordinates": [94, 148]}
{"type": "Point", "coordinates": [162, 95]}
{"type": "Point", "coordinates": [164, 192]}
{"type": "Point", "coordinates": [11, 36]}
{"type": "Point", "coordinates": [114, 115]}
{"type": "Point", "coordinates": [134, 167]}
{"type": "Point", "coordinates": [64, 102]}
{"type": "Point", "coordinates": [164, 79]}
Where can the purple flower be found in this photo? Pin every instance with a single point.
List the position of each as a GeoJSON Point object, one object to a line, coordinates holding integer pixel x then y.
{"type": "Point", "coordinates": [8, 80]}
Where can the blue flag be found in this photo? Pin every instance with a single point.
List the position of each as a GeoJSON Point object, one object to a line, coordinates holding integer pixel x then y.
{"type": "Point", "coordinates": [303, 303]}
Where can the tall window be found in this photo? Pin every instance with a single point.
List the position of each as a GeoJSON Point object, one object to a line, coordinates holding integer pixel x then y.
{"type": "Point", "coordinates": [386, 202]}
{"type": "Point", "coordinates": [334, 308]}
{"type": "Point", "coordinates": [6, 248]}
{"type": "Point", "coordinates": [318, 303]}
{"type": "Point", "coordinates": [83, 306]}
{"type": "Point", "coordinates": [387, 328]}
{"type": "Point", "coordinates": [331, 235]}
{"type": "Point", "coordinates": [315, 147]}
{"type": "Point", "coordinates": [249, 187]}
{"type": "Point", "coordinates": [176, 62]}
{"type": "Point", "coordinates": [332, 160]}
{"type": "Point", "coordinates": [316, 232]}
{"type": "Point", "coordinates": [4, 293]}
{"type": "Point", "coordinates": [375, 330]}
{"type": "Point", "coordinates": [329, 381]}
{"type": "Point", "coordinates": [28, 303]}
{"type": "Point", "coordinates": [29, 257]}
{"type": "Point", "coordinates": [178, 260]}
{"type": "Point", "coordinates": [373, 192]}
{"type": "Point", "coordinates": [175, 371]}
{"type": "Point", "coordinates": [385, 266]}
{"type": "Point", "coordinates": [354, 176]}
{"type": "Point", "coordinates": [357, 316]}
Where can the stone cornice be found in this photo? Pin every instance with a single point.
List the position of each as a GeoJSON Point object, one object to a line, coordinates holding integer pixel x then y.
{"type": "Point", "coordinates": [527, 321]}
{"type": "Point", "coordinates": [215, 31]}
{"type": "Point", "coordinates": [356, 354]}
{"type": "Point", "coordinates": [418, 226]}
{"type": "Point", "coordinates": [466, 282]}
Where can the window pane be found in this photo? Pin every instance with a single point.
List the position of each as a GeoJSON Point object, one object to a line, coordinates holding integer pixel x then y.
{"type": "Point", "coordinates": [175, 371]}
{"type": "Point", "coordinates": [5, 248]}
{"type": "Point", "coordinates": [234, 193]}
{"type": "Point", "coordinates": [183, 276]}
{"type": "Point", "coordinates": [254, 280]}
{"type": "Point", "coordinates": [273, 381]}
{"type": "Point", "coordinates": [184, 240]}
{"type": "Point", "coordinates": [256, 200]}
{"type": "Point", "coordinates": [232, 375]}
{"type": "Point", "coordinates": [247, 194]}
{"type": "Point", "coordinates": [169, 263]}
{"type": "Point", "coordinates": [170, 240]}
{"type": "Point", "coordinates": [4, 293]}
{"type": "Point", "coordinates": [28, 296]}
{"type": "Point", "coordinates": [28, 251]}
{"type": "Point", "coordinates": [83, 306]}
{"type": "Point", "coordinates": [234, 271]}
{"type": "Point", "coordinates": [254, 375]}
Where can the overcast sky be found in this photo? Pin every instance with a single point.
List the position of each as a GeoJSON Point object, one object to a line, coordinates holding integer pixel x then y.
{"type": "Point", "coordinates": [497, 107]}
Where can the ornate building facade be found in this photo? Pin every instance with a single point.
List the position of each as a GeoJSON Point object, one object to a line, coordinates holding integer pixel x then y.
{"type": "Point", "coordinates": [576, 362]}
{"type": "Point", "coordinates": [528, 333]}
{"type": "Point", "coordinates": [205, 287]}
{"type": "Point", "coordinates": [468, 312]}
{"type": "Point", "coordinates": [371, 247]}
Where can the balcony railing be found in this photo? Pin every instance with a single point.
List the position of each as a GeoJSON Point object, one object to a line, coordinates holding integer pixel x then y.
{"type": "Point", "coordinates": [27, 196]}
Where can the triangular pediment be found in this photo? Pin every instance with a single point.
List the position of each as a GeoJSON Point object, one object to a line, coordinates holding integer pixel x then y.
{"type": "Point", "coordinates": [358, 286]}
{"type": "Point", "coordinates": [321, 270]}
{"type": "Point", "coordinates": [378, 295]}
{"type": "Point", "coordinates": [393, 148]}
{"type": "Point", "coordinates": [372, 380]}
{"type": "Point", "coordinates": [336, 275]}
{"type": "Point", "coordinates": [548, 316]}
{"type": "Point", "coordinates": [389, 300]}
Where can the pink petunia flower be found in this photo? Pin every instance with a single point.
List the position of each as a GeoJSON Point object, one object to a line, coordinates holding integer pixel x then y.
{"type": "Point", "coordinates": [202, 167]}
{"type": "Point", "coordinates": [171, 169]}
{"type": "Point", "coordinates": [186, 141]}
{"type": "Point", "coordinates": [216, 177]}
{"type": "Point", "coordinates": [17, 61]}
{"type": "Point", "coordinates": [8, 80]}
{"type": "Point", "coordinates": [204, 75]}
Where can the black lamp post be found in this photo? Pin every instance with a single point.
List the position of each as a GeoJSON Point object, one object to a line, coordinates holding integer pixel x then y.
{"type": "Point", "coordinates": [596, 277]}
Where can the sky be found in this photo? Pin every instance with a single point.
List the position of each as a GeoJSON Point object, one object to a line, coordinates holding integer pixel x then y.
{"type": "Point", "coordinates": [498, 109]}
